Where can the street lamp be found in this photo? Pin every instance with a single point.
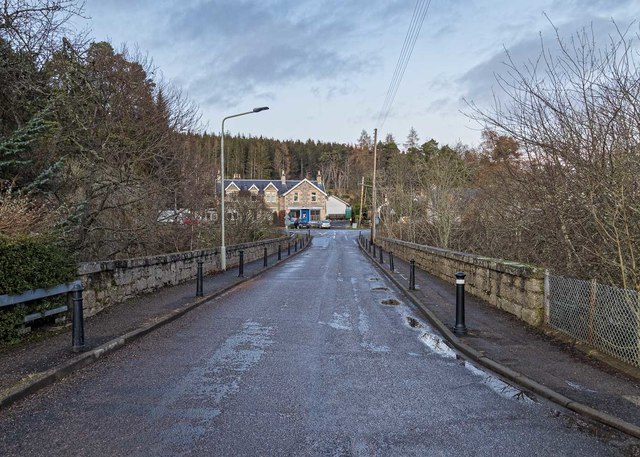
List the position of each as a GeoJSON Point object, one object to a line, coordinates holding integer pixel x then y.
{"type": "Point", "coordinates": [223, 248]}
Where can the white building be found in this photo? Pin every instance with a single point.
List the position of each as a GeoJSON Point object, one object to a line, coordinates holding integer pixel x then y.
{"type": "Point", "coordinates": [337, 208]}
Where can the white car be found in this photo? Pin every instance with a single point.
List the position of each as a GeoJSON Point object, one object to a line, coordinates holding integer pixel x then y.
{"type": "Point", "coordinates": [325, 224]}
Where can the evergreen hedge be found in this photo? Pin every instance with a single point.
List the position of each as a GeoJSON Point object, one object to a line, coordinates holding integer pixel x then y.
{"type": "Point", "coordinates": [30, 262]}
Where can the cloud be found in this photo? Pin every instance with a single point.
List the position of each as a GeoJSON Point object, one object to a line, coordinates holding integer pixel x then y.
{"type": "Point", "coordinates": [480, 83]}
{"type": "Point", "coordinates": [252, 44]}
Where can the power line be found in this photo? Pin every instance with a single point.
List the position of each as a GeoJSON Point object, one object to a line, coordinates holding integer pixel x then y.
{"type": "Point", "coordinates": [415, 26]}
{"type": "Point", "coordinates": [401, 58]}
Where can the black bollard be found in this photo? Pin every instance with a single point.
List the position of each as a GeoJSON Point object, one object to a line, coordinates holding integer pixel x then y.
{"type": "Point", "coordinates": [264, 263]}
{"type": "Point", "coordinates": [412, 275]}
{"type": "Point", "coordinates": [390, 260]}
{"type": "Point", "coordinates": [296, 245]}
{"type": "Point", "coordinates": [77, 331]}
{"type": "Point", "coordinates": [199, 280]}
{"type": "Point", "coordinates": [374, 250]}
{"type": "Point", "coordinates": [289, 248]}
{"type": "Point", "coordinates": [381, 261]}
{"type": "Point", "coordinates": [308, 234]}
{"type": "Point", "coordinates": [241, 265]}
{"type": "Point", "coordinates": [460, 328]}
{"type": "Point", "coordinates": [279, 252]}
{"type": "Point", "coordinates": [369, 246]}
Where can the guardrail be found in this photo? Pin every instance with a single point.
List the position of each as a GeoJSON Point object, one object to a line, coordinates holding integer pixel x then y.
{"type": "Point", "coordinates": [74, 292]}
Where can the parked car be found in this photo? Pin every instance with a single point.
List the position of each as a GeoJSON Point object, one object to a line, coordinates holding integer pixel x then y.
{"type": "Point", "coordinates": [325, 224]}
{"type": "Point", "coordinates": [304, 225]}
{"type": "Point", "coordinates": [315, 224]}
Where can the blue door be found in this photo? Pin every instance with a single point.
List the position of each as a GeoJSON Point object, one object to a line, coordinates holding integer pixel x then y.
{"type": "Point", "coordinates": [304, 215]}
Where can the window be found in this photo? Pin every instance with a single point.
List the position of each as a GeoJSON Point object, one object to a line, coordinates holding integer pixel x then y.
{"type": "Point", "coordinates": [314, 196]}
{"type": "Point", "coordinates": [296, 197]}
{"type": "Point", "coordinates": [315, 214]}
{"type": "Point", "coordinates": [270, 197]}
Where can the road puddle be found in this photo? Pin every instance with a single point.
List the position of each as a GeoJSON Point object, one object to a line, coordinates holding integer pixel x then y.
{"type": "Point", "coordinates": [438, 345]}
{"type": "Point", "coordinates": [380, 288]}
{"type": "Point", "coordinates": [390, 302]}
{"type": "Point", "coordinates": [497, 385]}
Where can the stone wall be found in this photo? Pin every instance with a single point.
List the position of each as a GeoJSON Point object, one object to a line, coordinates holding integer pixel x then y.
{"type": "Point", "coordinates": [110, 282]}
{"type": "Point", "coordinates": [510, 286]}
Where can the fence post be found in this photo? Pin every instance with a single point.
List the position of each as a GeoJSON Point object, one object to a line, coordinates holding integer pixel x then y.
{"type": "Point", "coordinates": [77, 330]}
{"type": "Point", "coordinates": [460, 328]}
{"type": "Point", "coordinates": [380, 248]}
{"type": "Point", "coordinates": [412, 275]}
{"type": "Point", "coordinates": [374, 250]}
{"type": "Point", "coordinates": [289, 248]}
{"type": "Point", "coordinates": [279, 252]}
{"type": "Point", "coordinates": [241, 264]}
{"type": "Point", "coordinates": [296, 245]}
{"type": "Point", "coordinates": [199, 279]}
{"type": "Point", "coordinates": [391, 261]}
{"type": "Point", "coordinates": [593, 305]}
{"type": "Point", "coordinates": [264, 263]}
{"type": "Point", "coordinates": [547, 297]}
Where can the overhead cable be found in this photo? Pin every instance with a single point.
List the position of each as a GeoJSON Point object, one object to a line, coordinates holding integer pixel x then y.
{"type": "Point", "coordinates": [415, 26]}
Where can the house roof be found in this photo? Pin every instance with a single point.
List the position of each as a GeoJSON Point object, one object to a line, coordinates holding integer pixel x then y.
{"type": "Point", "coordinates": [340, 200]}
{"type": "Point", "coordinates": [313, 183]}
{"type": "Point", "coordinates": [231, 184]}
{"type": "Point", "coordinates": [261, 184]}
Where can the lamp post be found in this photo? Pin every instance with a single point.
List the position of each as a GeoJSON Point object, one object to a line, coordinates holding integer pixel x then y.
{"type": "Point", "coordinates": [223, 248]}
{"type": "Point", "coordinates": [375, 163]}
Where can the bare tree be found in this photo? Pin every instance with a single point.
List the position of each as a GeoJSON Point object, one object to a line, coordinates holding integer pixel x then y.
{"type": "Point", "coordinates": [38, 26]}
{"type": "Point", "coordinates": [574, 114]}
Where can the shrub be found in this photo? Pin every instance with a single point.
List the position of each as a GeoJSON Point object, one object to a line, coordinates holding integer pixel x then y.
{"type": "Point", "coordinates": [30, 262]}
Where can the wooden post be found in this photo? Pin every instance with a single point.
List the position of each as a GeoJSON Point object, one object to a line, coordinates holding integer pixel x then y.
{"type": "Point", "coordinates": [593, 305]}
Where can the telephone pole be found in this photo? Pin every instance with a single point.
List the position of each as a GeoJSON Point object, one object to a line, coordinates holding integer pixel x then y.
{"type": "Point", "coordinates": [361, 202]}
{"type": "Point", "coordinates": [375, 162]}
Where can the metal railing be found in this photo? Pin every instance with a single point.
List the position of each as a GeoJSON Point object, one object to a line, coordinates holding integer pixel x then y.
{"type": "Point", "coordinates": [73, 290]}
{"type": "Point", "coordinates": [606, 318]}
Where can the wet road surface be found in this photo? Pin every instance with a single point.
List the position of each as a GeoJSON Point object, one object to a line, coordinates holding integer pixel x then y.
{"type": "Point", "coordinates": [320, 356]}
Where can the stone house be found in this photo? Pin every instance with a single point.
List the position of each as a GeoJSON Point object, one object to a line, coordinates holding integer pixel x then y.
{"type": "Point", "coordinates": [302, 199]}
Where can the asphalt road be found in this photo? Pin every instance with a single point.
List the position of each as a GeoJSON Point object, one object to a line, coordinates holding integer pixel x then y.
{"type": "Point", "coordinates": [317, 357]}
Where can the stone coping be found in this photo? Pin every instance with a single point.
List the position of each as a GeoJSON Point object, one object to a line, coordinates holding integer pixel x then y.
{"type": "Point", "coordinates": [87, 268]}
{"type": "Point", "coordinates": [503, 266]}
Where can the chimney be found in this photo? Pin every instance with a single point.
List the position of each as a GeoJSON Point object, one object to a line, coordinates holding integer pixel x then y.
{"type": "Point", "coordinates": [283, 178]}
{"type": "Point", "coordinates": [319, 178]}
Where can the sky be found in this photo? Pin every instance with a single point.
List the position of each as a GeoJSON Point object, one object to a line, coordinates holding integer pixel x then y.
{"type": "Point", "coordinates": [324, 66]}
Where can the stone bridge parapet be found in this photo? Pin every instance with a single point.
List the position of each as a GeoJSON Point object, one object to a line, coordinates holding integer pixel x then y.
{"type": "Point", "coordinates": [114, 281]}
{"type": "Point", "coordinates": [513, 287]}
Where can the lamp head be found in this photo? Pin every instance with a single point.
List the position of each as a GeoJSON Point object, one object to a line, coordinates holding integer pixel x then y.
{"type": "Point", "coordinates": [262, 108]}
